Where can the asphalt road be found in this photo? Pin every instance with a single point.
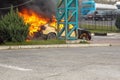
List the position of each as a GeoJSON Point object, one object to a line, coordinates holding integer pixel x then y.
{"type": "Point", "coordinates": [87, 63]}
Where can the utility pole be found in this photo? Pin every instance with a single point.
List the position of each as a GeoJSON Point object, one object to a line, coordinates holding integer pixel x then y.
{"type": "Point", "coordinates": [67, 19]}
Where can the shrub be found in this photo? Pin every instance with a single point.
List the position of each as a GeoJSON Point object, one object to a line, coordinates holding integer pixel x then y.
{"type": "Point", "coordinates": [117, 22]}
{"type": "Point", "coordinates": [12, 27]}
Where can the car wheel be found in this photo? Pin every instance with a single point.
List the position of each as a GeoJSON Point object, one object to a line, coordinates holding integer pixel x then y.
{"type": "Point", "coordinates": [51, 35]}
{"type": "Point", "coordinates": [85, 36]}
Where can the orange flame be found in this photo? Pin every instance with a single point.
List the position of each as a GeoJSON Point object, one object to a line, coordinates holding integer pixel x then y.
{"type": "Point", "coordinates": [35, 20]}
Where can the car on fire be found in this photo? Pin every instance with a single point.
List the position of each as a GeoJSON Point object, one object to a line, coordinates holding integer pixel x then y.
{"type": "Point", "coordinates": [49, 32]}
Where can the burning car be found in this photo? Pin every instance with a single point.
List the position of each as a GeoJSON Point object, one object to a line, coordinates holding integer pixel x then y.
{"type": "Point", "coordinates": [40, 15]}
{"type": "Point", "coordinates": [42, 27]}
{"type": "Point", "coordinates": [47, 32]}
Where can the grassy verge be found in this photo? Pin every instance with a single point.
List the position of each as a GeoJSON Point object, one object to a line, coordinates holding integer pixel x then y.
{"type": "Point", "coordinates": [92, 28]}
{"type": "Point", "coordinates": [102, 29]}
{"type": "Point", "coordinates": [37, 42]}
{"type": "Point", "coordinates": [41, 42]}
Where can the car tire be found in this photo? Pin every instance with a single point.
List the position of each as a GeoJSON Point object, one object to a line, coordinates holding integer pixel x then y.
{"type": "Point", "coordinates": [51, 35]}
{"type": "Point", "coordinates": [85, 36]}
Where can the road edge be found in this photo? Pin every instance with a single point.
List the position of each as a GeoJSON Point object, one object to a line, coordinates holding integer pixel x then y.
{"type": "Point", "coordinates": [51, 46]}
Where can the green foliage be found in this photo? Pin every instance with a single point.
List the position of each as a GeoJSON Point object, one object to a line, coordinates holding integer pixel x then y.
{"type": "Point", "coordinates": [13, 28]}
{"type": "Point", "coordinates": [37, 42]}
{"type": "Point", "coordinates": [117, 22]}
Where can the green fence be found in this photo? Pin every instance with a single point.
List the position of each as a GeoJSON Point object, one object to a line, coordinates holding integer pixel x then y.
{"type": "Point", "coordinates": [99, 25]}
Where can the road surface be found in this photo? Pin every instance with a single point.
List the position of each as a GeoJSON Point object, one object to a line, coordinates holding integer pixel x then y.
{"type": "Point", "coordinates": [87, 63]}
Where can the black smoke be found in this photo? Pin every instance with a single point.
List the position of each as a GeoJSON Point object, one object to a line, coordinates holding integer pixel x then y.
{"type": "Point", "coordinates": [5, 6]}
{"type": "Point", "coordinates": [44, 7]}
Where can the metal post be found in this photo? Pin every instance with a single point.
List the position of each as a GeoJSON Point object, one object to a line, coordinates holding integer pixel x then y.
{"type": "Point", "coordinates": [67, 18]}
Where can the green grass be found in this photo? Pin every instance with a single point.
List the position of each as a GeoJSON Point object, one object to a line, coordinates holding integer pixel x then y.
{"type": "Point", "coordinates": [92, 29]}
{"type": "Point", "coordinates": [103, 29]}
{"type": "Point", "coordinates": [37, 42]}
{"type": "Point", "coordinates": [84, 42]}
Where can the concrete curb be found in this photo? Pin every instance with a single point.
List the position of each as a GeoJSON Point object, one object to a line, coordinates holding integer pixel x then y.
{"type": "Point", "coordinates": [51, 46]}
{"type": "Point", "coordinates": [108, 34]}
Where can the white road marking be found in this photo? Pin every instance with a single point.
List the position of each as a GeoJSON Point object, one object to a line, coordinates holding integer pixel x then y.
{"type": "Point", "coordinates": [14, 67]}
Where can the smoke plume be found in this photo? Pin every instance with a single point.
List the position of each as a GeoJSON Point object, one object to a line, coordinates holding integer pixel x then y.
{"type": "Point", "coordinates": [44, 7]}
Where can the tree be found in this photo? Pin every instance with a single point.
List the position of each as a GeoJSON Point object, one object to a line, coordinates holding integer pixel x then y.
{"type": "Point", "coordinates": [13, 27]}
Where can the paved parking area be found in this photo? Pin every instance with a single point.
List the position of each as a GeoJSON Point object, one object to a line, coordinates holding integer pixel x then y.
{"type": "Point", "coordinates": [87, 63]}
{"type": "Point", "coordinates": [111, 38]}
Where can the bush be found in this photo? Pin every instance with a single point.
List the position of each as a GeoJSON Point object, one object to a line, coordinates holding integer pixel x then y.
{"type": "Point", "coordinates": [13, 28]}
{"type": "Point", "coordinates": [117, 22]}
